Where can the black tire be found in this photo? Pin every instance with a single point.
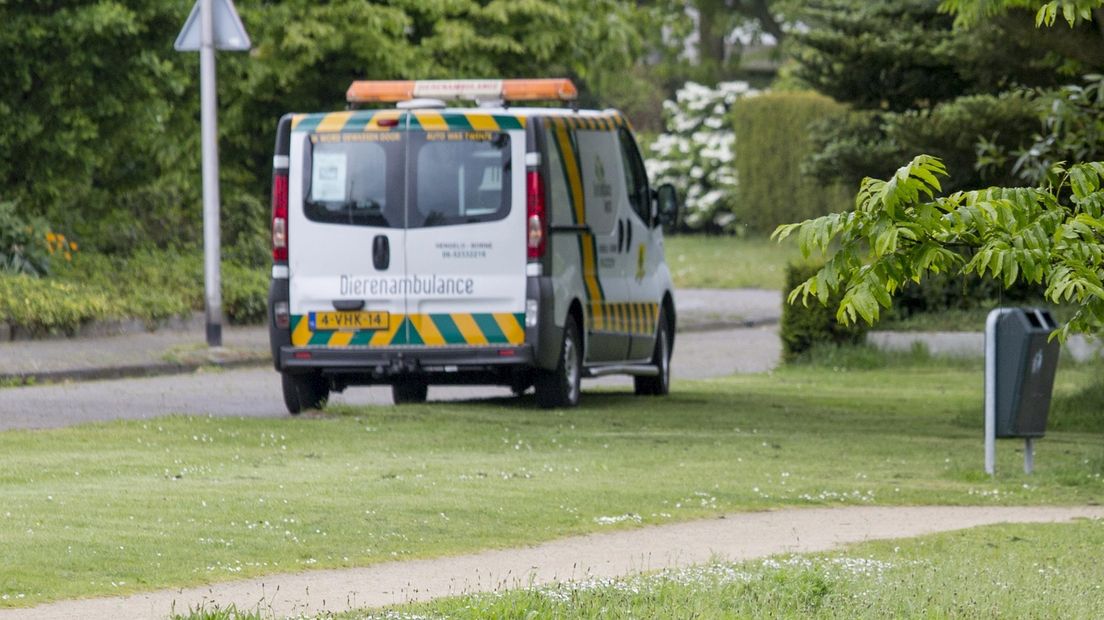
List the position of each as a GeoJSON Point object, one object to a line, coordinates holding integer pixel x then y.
{"type": "Point", "coordinates": [305, 391]}
{"type": "Point", "coordinates": [521, 385]}
{"type": "Point", "coordinates": [560, 387]}
{"type": "Point", "coordinates": [659, 385]}
{"type": "Point", "coordinates": [409, 392]}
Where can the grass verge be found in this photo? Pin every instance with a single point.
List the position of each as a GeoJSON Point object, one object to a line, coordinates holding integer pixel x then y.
{"type": "Point", "coordinates": [1004, 571]}
{"type": "Point", "coordinates": [129, 506]}
{"type": "Point", "coordinates": [702, 261]}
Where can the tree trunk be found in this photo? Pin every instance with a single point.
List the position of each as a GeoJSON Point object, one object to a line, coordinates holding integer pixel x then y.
{"type": "Point", "coordinates": [711, 32]}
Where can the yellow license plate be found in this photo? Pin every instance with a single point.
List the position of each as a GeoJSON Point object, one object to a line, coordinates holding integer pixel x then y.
{"type": "Point", "coordinates": [348, 321]}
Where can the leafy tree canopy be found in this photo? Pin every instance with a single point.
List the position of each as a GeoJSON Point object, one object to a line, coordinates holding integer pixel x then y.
{"type": "Point", "coordinates": [101, 131]}
{"type": "Point", "coordinates": [901, 231]}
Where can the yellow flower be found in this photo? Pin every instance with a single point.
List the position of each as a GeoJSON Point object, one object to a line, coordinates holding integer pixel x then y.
{"type": "Point", "coordinates": [73, 245]}
{"type": "Point", "coordinates": [68, 256]}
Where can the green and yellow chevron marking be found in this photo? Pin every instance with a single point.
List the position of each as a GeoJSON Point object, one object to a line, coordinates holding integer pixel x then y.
{"type": "Point", "coordinates": [431, 330]}
{"type": "Point", "coordinates": [420, 120]}
{"type": "Point", "coordinates": [631, 318]}
{"type": "Point", "coordinates": [605, 122]}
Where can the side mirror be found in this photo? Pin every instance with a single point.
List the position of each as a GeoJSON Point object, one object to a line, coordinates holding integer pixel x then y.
{"type": "Point", "coordinates": [668, 205]}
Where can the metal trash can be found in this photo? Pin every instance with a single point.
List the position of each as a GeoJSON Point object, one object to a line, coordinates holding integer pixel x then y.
{"type": "Point", "coordinates": [1020, 363]}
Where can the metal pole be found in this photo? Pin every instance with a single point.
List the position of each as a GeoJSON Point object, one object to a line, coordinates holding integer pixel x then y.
{"type": "Point", "coordinates": [1029, 455]}
{"type": "Point", "coordinates": [208, 99]}
{"type": "Point", "coordinates": [991, 390]}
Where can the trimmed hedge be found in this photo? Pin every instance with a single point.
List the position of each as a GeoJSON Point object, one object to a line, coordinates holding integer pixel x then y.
{"type": "Point", "coordinates": [805, 326]}
{"type": "Point", "coordinates": [772, 143]}
{"type": "Point", "coordinates": [149, 286]}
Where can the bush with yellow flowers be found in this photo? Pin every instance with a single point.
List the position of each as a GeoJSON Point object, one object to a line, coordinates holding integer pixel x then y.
{"type": "Point", "coordinates": [27, 245]}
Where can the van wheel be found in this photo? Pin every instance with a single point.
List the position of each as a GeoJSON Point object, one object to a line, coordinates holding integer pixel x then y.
{"type": "Point", "coordinates": [660, 384]}
{"type": "Point", "coordinates": [306, 391]}
{"type": "Point", "coordinates": [560, 387]}
{"type": "Point", "coordinates": [409, 392]}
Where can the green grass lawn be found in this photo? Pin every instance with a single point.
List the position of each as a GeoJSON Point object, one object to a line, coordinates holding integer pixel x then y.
{"type": "Point", "coordinates": [1003, 571]}
{"type": "Point", "coordinates": [128, 506]}
{"type": "Point", "coordinates": [700, 261]}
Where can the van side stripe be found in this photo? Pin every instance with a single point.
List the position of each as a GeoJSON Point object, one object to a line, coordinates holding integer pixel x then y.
{"type": "Point", "coordinates": [409, 335]}
{"type": "Point", "coordinates": [420, 329]}
{"type": "Point", "coordinates": [489, 326]}
{"type": "Point", "coordinates": [511, 326]}
{"type": "Point", "coordinates": [448, 329]}
{"type": "Point", "coordinates": [587, 243]}
{"type": "Point", "coordinates": [468, 327]}
{"type": "Point", "coordinates": [460, 121]}
{"type": "Point", "coordinates": [420, 120]}
{"type": "Point", "coordinates": [423, 323]}
{"type": "Point", "coordinates": [384, 337]}
{"type": "Point", "coordinates": [300, 331]}
{"type": "Point", "coordinates": [333, 122]}
{"type": "Point", "coordinates": [482, 122]}
{"type": "Point", "coordinates": [361, 338]}
{"type": "Point", "coordinates": [341, 339]}
{"type": "Point", "coordinates": [306, 122]}
{"type": "Point", "coordinates": [431, 121]}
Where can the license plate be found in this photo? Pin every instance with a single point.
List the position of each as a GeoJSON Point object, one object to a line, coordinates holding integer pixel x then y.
{"type": "Point", "coordinates": [348, 321]}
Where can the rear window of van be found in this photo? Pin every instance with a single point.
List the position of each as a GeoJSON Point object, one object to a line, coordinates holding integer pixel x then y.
{"type": "Point", "coordinates": [408, 179]}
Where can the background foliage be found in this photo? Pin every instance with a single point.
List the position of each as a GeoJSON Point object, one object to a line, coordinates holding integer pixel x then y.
{"type": "Point", "coordinates": [696, 154]}
{"type": "Point", "coordinates": [805, 326]}
{"type": "Point", "coordinates": [773, 139]}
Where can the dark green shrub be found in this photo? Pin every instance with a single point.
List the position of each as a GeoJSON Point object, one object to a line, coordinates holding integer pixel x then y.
{"type": "Point", "coordinates": [941, 292]}
{"type": "Point", "coordinates": [772, 141]}
{"type": "Point", "coordinates": [805, 326]}
{"type": "Point", "coordinates": [24, 247]}
{"type": "Point", "coordinates": [244, 294]}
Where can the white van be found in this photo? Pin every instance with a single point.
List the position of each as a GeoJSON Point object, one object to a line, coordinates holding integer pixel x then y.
{"type": "Point", "coordinates": [424, 245]}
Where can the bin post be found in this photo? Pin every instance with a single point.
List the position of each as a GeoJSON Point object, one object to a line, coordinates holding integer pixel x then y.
{"type": "Point", "coordinates": [1029, 455]}
{"type": "Point", "coordinates": [991, 389]}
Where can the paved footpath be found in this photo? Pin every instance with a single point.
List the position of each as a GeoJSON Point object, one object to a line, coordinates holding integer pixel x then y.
{"type": "Point", "coordinates": [733, 537]}
{"type": "Point", "coordinates": [171, 351]}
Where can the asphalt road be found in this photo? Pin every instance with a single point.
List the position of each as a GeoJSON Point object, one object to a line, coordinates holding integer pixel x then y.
{"type": "Point", "coordinates": [255, 392]}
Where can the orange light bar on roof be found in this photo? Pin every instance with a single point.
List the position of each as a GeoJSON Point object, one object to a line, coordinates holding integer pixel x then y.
{"type": "Point", "coordinates": [368, 91]}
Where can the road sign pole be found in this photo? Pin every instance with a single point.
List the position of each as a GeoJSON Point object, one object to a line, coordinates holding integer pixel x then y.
{"type": "Point", "coordinates": [208, 98]}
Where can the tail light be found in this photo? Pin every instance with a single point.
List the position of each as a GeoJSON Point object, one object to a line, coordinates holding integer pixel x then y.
{"type": "Point", "coordinates": [279, 216]}
{"type": "Point", "coordinates": [536, 215]}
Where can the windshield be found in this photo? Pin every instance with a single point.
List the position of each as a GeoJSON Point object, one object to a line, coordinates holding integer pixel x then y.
{"type": "Point", "coordinates": [453, 177]}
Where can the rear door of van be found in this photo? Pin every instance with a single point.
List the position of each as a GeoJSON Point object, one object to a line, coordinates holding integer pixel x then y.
{"type": "Point", "coordinates": [465, 229]}
{"type": "Point", "coordinates": [407, 229]}
{"type": "Point", "coordinates": [346, 229]}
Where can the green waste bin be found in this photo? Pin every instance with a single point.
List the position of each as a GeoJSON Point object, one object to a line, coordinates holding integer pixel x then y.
{"type": "Point", "coordinates": [1026, 360]}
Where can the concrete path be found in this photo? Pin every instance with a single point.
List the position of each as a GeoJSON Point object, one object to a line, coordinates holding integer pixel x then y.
{"type": "Point", "coordinates": [972, 344]}
{"type": "Point", "coordinates": [255, 392]}
{"type": "Point", "coordinates": [183, 349]}
{"type": "Point", "coordinates": [734, 537]}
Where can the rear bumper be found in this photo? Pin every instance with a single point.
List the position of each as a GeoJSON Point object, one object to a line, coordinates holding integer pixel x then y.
{"type": "Point", "coordinates": [386, 362]}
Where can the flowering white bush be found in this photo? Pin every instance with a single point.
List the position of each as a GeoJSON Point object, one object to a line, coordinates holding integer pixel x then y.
{"type": "Point", "coordinates": [696, 156]}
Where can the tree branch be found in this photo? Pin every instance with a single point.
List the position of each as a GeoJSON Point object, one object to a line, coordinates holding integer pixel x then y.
{"type": "Point", "coordinates": [759, 10]}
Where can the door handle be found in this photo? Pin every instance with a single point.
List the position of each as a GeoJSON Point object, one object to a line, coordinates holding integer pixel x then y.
{"type": "Point", "coordinates": [381, 252]}
{"type": "Point", "coordinates": [628, 241]}
{"type": "Point", "coordinates": [620, 236]}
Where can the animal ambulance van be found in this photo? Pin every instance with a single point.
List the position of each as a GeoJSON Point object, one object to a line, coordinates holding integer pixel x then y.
{"type": "Point", "coordinates": [424, 245]}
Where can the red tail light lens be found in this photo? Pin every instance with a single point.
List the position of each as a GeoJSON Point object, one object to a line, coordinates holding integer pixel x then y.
{"type": "Point", "coordinates": [536, 215]}
{"type": "Point", "coordinates": [279, 216]}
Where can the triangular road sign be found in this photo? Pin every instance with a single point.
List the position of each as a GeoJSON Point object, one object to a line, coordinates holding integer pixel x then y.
{"type": "Point", "coordinates": [229, 32]}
